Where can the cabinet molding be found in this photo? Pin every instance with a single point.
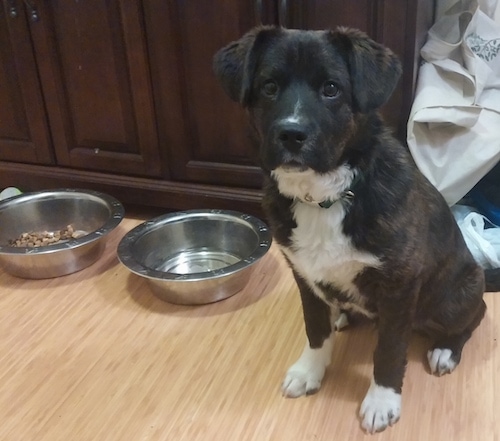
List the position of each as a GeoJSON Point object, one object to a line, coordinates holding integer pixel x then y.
{"type": "Point", "coordinates": [133, 190]}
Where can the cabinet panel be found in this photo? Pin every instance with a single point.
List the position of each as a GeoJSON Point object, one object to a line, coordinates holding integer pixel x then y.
{"type": "Point", "coordinates": [321, 14]}
{"type": "Point", "coordinates": [24, 134]}
{"type": "Point", "coordinates": [93, 65]}
{"type": "Point", "coordinates": [205, 133]}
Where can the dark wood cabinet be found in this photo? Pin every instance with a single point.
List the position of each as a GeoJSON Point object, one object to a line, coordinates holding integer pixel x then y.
{"type": "Point", "coordinates": [94, 73]}
{"type": "Point", "coordinates": [24, 131]}
{"type": "Point", "coordinates": [120, 96]}
{"type": "Point", "coordinates": [203, 132]}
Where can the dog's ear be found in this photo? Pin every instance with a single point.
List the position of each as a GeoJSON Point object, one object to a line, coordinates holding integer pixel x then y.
{"type": "Point", "coordinates": [235, 64]}
{"type": "Point", "coordinates": [373, 68]}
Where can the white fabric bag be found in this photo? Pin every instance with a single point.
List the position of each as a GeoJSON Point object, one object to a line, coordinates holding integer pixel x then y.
{"type": "Point", "coordinates": [454, 124]}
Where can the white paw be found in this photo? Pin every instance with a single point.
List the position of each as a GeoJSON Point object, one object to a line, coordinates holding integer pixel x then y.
{"type": "Point", "coordinates": [300, 382]}
{"type": "Point", "coordinates": [380, 408]}
{"type": "Point", "coordinates": [441, 361]}
{"type": "Point", "coordinates": [341, 322]}
{"type": "Point", "coordinates": [305, 375]}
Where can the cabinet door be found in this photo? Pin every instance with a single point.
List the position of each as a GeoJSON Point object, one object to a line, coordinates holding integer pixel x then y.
{"type": "Point", "coordinates": [205, 134]}
{"type": "Point", "coordinates": [93, 65]}
{"type": "Point", "coordinates": [24, 135]}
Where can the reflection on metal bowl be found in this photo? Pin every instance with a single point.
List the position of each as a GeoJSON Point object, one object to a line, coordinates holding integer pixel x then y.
{"type": "Point", "coordinates": [197, 256]}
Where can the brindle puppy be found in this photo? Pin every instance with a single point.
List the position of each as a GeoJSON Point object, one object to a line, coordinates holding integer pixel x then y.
{"type": "Point", "coordinates": [362, 229]}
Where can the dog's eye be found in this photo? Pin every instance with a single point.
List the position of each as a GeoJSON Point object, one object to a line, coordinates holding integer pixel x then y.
{"type": "Point", "coordinates": [269, 88]}
{"type": "Point", "coordinates": [330, 89]}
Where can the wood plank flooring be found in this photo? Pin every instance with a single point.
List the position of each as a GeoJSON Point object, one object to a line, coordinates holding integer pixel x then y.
{"type": "Point", "coordinates": [93, 356]}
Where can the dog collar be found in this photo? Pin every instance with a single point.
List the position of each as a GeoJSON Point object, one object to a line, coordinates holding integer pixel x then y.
{"type": "Point", "coordinates": [346, 195]}
{"type": "Point", "coordinates": [327, 203]}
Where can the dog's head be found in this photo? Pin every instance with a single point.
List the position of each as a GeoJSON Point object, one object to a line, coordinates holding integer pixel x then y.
{"type": "Point", "coordinates": [305, 89]}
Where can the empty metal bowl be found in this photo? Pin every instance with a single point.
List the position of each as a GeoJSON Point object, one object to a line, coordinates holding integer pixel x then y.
{"type": "Point", "coordinates": [91, 214]}
{"type": "Point", "coordinates": [197, 256]}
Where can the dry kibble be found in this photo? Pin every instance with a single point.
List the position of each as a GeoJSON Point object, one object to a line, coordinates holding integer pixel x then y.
{"type": "Point", "coordinates": [45, 238]}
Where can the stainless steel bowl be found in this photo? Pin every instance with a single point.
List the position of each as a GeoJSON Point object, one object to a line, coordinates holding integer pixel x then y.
{"type": "Point", "coordinates": [197, 256]}
{"type": "Point", "coordinates": [94, 214]}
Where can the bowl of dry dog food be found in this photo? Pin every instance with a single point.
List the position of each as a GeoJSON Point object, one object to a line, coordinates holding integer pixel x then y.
{"type": "Point", "coordinates": [55, 232]}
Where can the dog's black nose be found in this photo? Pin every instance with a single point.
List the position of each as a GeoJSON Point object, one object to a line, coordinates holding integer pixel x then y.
{"type": "Point", "coordinates": [292, 135]}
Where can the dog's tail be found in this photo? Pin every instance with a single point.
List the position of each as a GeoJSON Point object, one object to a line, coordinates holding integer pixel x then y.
{"type": "Point", "coordinates": [492, 277]}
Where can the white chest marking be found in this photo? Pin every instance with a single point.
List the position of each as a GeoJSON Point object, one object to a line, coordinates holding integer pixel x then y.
{"type": "Point", "coordinates": [298, 184]}
{"type": "Point", "coordinates": [321, 252]}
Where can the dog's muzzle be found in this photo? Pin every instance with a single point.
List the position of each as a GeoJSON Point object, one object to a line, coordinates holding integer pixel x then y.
{"type": "Point", "coordinates": [291, 136]}
{"type": "Point", "coordinates": [287, 145]}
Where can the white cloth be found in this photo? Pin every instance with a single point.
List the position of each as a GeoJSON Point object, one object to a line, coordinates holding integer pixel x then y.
{"type": "Point", "coordinates": [454, 124]}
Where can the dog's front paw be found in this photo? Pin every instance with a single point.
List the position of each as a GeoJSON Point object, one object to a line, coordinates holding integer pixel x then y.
{"type": "Point", "coordinates": [301, 381]}
{"type": "Point", "coordinates": [304, 377]}
{"type": "Point", "coordinates": [441, 361]}
{"type": "Point", "coordinates": [380, 408]}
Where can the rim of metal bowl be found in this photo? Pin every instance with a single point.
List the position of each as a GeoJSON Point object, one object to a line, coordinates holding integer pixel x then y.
{"type": "Point", "coordinates": [127, 259]}
{"type": "Point", "coordinates": [116, 216]}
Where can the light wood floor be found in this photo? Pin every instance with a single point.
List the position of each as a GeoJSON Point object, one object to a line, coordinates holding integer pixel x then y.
{"type": "Point", "coordinates": [94, 356]}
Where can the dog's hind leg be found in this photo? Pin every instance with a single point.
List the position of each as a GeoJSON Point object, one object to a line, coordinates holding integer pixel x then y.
{"type": "Point", "coordinates": [457, 315]}
{"type": "Point", "coordinates": [446, 353]}
{"type": "Point", "coordinates": [342, 322]}
{"type": "Point", "coordinates": [305, 375]}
